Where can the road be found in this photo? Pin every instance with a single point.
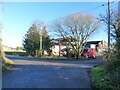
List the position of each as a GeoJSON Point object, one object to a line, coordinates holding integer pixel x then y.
{"type": "Point", "coordinates": [34, 73]}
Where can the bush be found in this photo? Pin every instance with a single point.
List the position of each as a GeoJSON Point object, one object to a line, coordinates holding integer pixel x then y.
{"type": "Point", "coordinates": [111, 59]}
{"type": "Point", "coordinates": [4, 66]}
{"type": "Point", "coordinates": [108, 76]}
{"type": "Point", "coordinates": [103, 80]}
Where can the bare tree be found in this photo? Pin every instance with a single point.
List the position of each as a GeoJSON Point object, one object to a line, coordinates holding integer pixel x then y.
{"type": "Point", "coordinates": [114, 22]}
{"type": "Point", "coordinates": [115, 27]}
{"type": "Point", "coordinates": [77, 27]}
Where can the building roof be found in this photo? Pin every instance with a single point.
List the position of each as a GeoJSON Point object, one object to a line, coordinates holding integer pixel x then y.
{"type": "Point", "coordinates": [93, 42]}
{"type": "Point", "coordinates": [62, 40]}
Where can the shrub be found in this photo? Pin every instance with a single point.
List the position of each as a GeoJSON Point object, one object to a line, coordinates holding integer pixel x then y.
{"type": "Point", "coordinates": [108, 76]}
{"type": "Point", "coordinates": [103, 79]}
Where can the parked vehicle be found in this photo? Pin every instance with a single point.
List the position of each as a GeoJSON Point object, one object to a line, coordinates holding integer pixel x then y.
{"type": "Point", "coordinates": [89, 52]}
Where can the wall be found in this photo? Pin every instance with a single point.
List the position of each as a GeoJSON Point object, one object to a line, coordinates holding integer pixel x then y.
{"type": "Point", "coordinates": [55, 49]}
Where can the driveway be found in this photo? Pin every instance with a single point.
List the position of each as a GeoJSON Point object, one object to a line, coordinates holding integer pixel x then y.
{"type": "Point", "coordinates": [34, 73]}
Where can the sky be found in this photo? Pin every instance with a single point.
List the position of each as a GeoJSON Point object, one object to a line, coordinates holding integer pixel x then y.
{"type": "Point", "coordinates": [17, 17]}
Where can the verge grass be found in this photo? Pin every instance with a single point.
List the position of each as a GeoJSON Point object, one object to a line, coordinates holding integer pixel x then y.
{"type": "Point", "coordinates": [101, 79]}
{"type": "Point", "coordinates": [5, 63]}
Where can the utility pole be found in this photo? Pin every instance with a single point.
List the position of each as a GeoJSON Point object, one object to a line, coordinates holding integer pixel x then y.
{"type": "Point", "coordinates": [109, 24]}
{"type": "Point", "coordinates": [119, 14]}
{"type": "Point", "coordinates": [40, 33]}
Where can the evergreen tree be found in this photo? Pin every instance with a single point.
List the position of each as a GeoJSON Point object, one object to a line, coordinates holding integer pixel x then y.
{"type": "Point", "coordinates": [46, 43]}
{"type": "Point", "coordinates": [31, 40]}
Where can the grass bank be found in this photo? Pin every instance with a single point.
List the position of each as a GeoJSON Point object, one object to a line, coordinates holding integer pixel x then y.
{"type": "Point", "coordinates": [6, 63]}
{"type": "Point", "coordinates": [101, 79]}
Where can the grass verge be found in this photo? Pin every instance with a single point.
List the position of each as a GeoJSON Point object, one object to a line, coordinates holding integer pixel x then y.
{"type": "Point", "coordinates": [101, 79]}
{"type": "Point", "coordinates": [6, 63]}
{"type": "Point", "coordinates": [16, 53]}
{"type": "Point", "coordinates": [62, 58]}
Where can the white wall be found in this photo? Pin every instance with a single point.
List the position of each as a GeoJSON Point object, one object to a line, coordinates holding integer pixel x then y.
{"type": "Point", "coordinates": [55, 49]}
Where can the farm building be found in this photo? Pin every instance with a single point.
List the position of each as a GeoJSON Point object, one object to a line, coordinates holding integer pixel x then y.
{"type": "Point", "coordinates": [59, 44]}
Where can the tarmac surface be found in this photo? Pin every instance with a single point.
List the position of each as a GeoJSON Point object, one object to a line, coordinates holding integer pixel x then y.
{"type": "Point", "coordinates": [36, 73]}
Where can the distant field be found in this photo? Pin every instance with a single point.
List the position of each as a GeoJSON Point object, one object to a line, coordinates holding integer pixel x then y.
{"type": "Point", "coordinates": [16, 52]}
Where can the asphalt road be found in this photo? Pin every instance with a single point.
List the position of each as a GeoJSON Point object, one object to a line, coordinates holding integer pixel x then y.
{"type": "Point", "coordinates": [34, 73]}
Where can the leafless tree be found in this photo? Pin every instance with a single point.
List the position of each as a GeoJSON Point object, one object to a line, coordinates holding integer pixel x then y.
{"type": "Point", "coordinates": [115, 27]}
{"type": "Point", "coordinates": [78, 28]}
{"type": "Point", "coordinates": [114, 22]}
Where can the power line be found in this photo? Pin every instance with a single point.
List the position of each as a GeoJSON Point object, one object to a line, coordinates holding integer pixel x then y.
{"type": "Point", "coordinates": [102, 5]}
{"type": "Point", "coordinates": [92, 8]}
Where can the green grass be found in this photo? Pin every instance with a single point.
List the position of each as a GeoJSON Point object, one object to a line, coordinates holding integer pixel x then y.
{"type": "Point", "coordinates": [15, 52]}
{"type": "Point", "coordinates": [60, 58]}
{"type": "Point", "coordinates": [101, 79]}
{"type": "Point", "coordinates": [23, 53]}
{"type": "Point", "coordinates": [6, 63]}
{"type": "Point", "coordinates": [0, 66]}
{"type": "Point", "coordinates": [4, 66]}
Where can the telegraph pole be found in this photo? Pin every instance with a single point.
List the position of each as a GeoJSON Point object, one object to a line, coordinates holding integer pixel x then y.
{"type": "Point", "coordinates": [40, 32]}
{"type": "Point", "coordinates": [109, 24]}
{"type": "Point", "coordinates": [119, 14]}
